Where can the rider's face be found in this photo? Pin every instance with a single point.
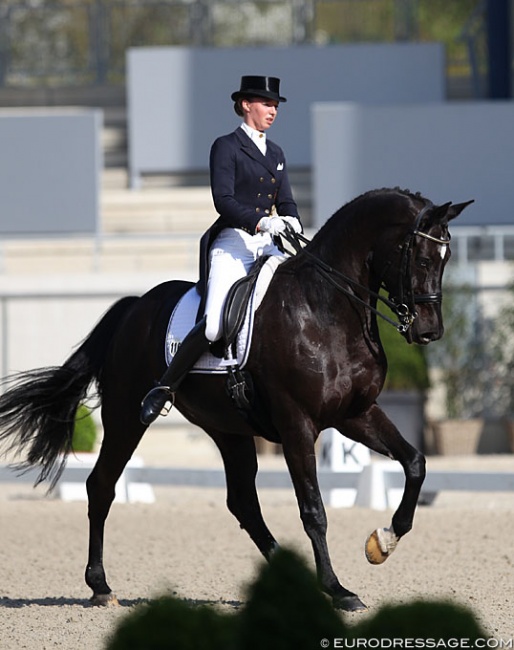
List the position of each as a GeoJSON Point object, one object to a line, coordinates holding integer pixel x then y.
{"type": "Point", "coordinates": [260, 113]}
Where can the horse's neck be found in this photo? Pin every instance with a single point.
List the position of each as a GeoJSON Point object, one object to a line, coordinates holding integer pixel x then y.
{"type": "Point", "coordinates": [346, 253]}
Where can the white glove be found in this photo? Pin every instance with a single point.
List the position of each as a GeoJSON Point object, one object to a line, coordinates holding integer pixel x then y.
{"type": "Point", "coordinates": [273, 225]}
{"type": "Point", "coordinates": [294, 223]}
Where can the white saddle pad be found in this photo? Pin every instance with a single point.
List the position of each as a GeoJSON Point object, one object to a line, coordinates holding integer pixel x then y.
{"type": "Point", "coordinates": [183, 319]}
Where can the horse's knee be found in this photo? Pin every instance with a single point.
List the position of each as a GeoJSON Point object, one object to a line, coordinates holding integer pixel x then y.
{"type": "Point", "coordinates": [416, 468]}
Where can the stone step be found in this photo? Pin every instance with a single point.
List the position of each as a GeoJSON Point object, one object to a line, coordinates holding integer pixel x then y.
{"type": "Point", "coordinates": [177, 255]}
{"type": "Point", "coordinates": [172, 203]}
{"type": "Point", "coordinates": [159, 210]}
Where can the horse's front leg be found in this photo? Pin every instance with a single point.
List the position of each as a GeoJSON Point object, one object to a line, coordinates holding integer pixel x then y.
{"type": "Point", "coordinates": [376, 431]}
{"type": "Point", "coordinates": [301, 461]}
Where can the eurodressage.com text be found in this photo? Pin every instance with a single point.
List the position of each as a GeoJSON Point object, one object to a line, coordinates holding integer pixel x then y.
{"type": "Point", "coordinates": [411, 643]}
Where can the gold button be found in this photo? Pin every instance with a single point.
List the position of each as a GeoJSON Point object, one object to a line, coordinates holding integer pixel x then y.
{"type": "Point", "coordinates": [261, 179]}
{"type": "Point", "coordinates": [273, 180]}
{"type": "Point", "coordinates": [257, 209]}
{"type": "Point", "coordinates": [266, 211]}
{"type": "Point", "coordinates": [259, 195]}
{"type": "Point", "coordinates": [270, 196]}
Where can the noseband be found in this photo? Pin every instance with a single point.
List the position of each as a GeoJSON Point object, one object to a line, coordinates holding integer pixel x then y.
{"type": "Point", "coordinates": [404, 305]}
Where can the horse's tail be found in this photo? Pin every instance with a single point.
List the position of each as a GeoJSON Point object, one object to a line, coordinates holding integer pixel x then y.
{"type": "Point", "coordinates": [38, 409]}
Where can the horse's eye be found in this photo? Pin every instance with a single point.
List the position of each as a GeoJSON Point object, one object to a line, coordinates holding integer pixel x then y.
{"type": "Point", "coordinates": [423, 262]}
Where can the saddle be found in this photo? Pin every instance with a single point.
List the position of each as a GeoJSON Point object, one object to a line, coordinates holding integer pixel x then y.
{"type": "Point", "coordinates": [236, 303]}
{"type": "Point", "coordinates": [229, 354]}
{"type": "Point", "coordinates": [239, 383]}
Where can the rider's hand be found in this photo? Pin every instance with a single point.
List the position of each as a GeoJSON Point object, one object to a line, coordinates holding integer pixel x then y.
{"type": "Point", "coordinates": [294, 223]}
{"type": "Point", "coordinates": [273, 225]}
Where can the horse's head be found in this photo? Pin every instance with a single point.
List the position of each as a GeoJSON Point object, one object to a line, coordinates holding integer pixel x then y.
{"type": "Point", "coordinates": [414, 279]}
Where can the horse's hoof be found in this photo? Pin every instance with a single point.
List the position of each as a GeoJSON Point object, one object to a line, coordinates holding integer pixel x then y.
{"type": "Point", "coordinates": [349, 604]}
{"type": "Point", "coordinates": [104, 600]}
{"type": "Point", "coordinates": [380, 544]}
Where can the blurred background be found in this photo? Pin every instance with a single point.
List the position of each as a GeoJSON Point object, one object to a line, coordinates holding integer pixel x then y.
{"type": "Point", "coordinates": [107, 112]}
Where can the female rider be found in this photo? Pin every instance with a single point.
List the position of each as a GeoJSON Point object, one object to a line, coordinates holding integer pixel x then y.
{"type": "Point", "coordinates": [252, 194]}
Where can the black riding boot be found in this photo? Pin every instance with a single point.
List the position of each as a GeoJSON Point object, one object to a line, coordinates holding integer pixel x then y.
{"type": "Point", "coordinates": [190, 350]}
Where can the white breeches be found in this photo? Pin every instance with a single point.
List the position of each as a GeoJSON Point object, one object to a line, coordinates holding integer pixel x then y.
{"type": "Point", "coordinates": [232, 255]}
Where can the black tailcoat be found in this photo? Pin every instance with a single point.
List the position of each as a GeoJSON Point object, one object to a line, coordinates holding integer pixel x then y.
{"type": "Point", "coordinates": [245, 185]}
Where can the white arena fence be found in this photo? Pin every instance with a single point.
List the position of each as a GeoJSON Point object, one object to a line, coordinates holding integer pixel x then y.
{"type": "Point", "coordinates": [376, 485]}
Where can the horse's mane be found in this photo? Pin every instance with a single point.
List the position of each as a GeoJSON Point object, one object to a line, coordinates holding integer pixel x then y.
{"type": "Point", "coordinates": [343, 216]}
{"type": "Point", "coordinates": [384, 192]}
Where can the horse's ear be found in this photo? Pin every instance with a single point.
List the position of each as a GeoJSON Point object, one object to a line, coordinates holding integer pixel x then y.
{"type": "Point", "coordinates": [455, 209]}
{"type": "Point", "coordinates": [439, 212]}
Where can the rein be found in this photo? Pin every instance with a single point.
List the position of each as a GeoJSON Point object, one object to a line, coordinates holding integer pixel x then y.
{"type": "Point", "coordinates": [406, 313]}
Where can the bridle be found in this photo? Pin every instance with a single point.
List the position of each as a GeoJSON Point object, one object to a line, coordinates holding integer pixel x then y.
{"type": "Point", "coordinates": [407, 298]}
{"type": "Point", "coordinates": [403, 305]}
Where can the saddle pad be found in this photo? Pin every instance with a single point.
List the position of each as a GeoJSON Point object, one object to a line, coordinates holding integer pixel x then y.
{"type": "Point", "coordinates": [183, 319]}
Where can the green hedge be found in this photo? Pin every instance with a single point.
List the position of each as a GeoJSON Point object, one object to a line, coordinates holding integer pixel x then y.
{"type": "Point", "coordinates": [407, 363]}
{"type": "Point", "coordinates": [285, 610]}
{"type": "Point", "coordinates": [84, 432]}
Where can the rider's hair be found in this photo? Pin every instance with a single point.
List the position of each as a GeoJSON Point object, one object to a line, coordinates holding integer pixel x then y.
{"type": "Point", "coordinates": [238, 106]}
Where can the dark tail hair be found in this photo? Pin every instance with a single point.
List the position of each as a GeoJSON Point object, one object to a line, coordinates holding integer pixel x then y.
{"type": "Point", "coordinates": [38, 409]}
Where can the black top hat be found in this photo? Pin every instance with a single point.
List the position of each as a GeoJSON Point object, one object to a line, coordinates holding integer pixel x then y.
{"type": "Point", "coordinates": [268, 87]}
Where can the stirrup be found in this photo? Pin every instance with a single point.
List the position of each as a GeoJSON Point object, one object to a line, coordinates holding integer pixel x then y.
{"type": "Point", "coordinates": [168, 404]}
{"type": "Point", "coordinates": [156, 402]}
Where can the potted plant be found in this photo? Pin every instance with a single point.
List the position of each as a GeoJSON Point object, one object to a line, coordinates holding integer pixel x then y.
{"type": "Point", "coordinates": [459, 360]}
{"type": "Point", "coordinates": [502, 362]}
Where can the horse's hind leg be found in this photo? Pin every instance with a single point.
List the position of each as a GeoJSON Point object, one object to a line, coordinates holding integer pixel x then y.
{"type": "Point", "coordinates": [240, 461]}
{"type": "Point", "coordinates": [121, 437]}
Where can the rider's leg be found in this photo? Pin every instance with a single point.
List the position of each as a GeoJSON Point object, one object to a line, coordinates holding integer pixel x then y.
{"type": "Point", "coordinates": [231, 256]}
{"type": "Point", "coordinates": [226, 267]}
{"type": "Point", "coordinates": [190, 350]}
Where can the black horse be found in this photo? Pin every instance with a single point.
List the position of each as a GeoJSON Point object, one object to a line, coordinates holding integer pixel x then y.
{"type": "Point", "coordinates": [316, 361]}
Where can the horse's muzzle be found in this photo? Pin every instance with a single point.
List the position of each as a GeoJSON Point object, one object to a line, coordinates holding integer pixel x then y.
{"type": "Point", "coordinates": [425, 328]}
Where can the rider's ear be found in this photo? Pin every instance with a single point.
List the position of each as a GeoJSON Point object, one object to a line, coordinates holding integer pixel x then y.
{"type": "Point", "coordinates": [457, 208]}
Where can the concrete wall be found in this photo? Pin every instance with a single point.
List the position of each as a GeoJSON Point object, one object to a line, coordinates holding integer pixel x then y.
{"type": "Point", "coordinates": [44, 319]}
{"type": "Point", "coordinates": [179, 97]}
{"type": "Point", "coordinates": [448, 152]}
{"type": "Point", "coordinates": [50, 163]}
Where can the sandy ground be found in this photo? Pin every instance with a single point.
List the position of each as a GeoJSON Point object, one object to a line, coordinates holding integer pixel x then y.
{"type": "Point", "coordinates": [187, 543]}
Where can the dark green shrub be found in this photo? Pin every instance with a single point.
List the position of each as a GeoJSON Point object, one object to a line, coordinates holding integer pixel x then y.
{"type": "Point", "coordinates": [84, 432]}
{"type": "Point", "coordinates": [285, 611]}
{"type": "Point", "coordinates": [286, 608]}
{"type": "Point", "coordinates": [437, 620]}
{"type": "Point", "coordinates": [171, 624]}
